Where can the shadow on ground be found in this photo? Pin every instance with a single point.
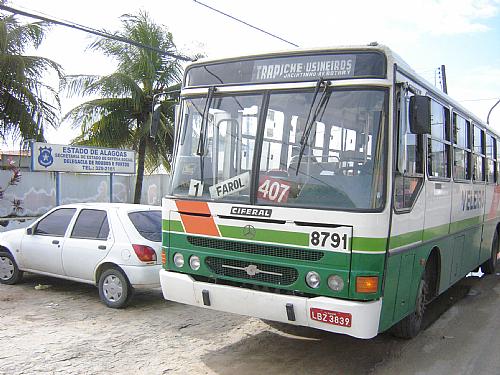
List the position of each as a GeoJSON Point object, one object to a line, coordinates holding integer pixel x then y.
{"type": "Point", "coordinates": [272, 352]}
{"type": "Point", "coordinates": [142, 298]}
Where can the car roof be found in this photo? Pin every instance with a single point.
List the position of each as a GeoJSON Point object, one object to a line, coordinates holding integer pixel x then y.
{"type": "Point", "coordinates": [129, 207]}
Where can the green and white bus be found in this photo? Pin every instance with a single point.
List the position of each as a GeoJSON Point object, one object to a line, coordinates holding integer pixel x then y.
{"type": "Point", "coordinates": [328, 188]}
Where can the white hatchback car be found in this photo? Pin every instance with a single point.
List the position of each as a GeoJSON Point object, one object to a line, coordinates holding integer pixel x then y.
{"type": "Point", "coordinates": [115, 246]}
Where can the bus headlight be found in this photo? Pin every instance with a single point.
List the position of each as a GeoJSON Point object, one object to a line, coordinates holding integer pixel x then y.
{"type": "Point", "coordinates": [335, 283]}
{"type": "Point", "coordinates": [194, 263]}
{"type": "Point", "coordinates": [178, 259]}
{"type": "Point", "coordinates": [313, 279]}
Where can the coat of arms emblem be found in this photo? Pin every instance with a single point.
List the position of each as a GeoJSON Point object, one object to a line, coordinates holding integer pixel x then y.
{"type": "Point", "coordinates": [45, 158]}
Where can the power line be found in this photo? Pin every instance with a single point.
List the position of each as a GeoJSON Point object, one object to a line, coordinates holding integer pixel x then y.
{"type": "Point", "coordinates": [90, 30]}
{"type": "Point", "coordinates": [245, 23]}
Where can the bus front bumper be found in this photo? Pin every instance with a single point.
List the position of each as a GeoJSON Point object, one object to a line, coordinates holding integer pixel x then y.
{"type": "Point", "coordinates": [364, 316]}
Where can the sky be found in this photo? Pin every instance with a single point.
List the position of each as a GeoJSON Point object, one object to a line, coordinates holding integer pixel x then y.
{"type": "Point", "coordinates": [463, 35]}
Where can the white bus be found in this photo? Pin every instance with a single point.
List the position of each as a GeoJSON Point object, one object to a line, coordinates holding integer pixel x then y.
{"type": "Point", "coordinates": [328, 188]}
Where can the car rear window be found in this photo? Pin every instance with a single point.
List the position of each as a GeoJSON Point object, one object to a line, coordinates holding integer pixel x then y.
{"type": "Point", "coordinates": [147, 223]}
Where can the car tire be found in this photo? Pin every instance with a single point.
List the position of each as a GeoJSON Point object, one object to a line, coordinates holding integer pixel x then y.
{"type": "Point", "coordinates": [114, 288]}
{"type": "Point", "coordinates": [9, 271]}
{"type": "Point", "coordinates": [490, 265]}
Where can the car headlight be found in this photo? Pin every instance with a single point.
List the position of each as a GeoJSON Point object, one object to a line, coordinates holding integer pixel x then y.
{"type": "Point", "coordinates": [194, 262]}
{"type": "Point", "coordinates": [313, 279]}
{"type": "Point", "coordinates": [178, 259]}
{"type": "Point", "coordinates": [335, 283]}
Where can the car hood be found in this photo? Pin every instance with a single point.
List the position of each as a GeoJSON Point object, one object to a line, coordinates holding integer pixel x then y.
{"type": "Point", "coordinates": [12, 237]}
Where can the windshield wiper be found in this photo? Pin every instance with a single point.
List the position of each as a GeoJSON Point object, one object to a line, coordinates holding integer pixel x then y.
{"type": "Point", "coordinates": [200, 151]}
{"type": "Point", "coordinates": [325, 97]}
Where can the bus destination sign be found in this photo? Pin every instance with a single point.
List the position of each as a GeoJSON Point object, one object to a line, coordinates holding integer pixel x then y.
{"type": "Point", "coordinates": [304, 67]}
{"type": "Point", "coordinates": [287, 68]}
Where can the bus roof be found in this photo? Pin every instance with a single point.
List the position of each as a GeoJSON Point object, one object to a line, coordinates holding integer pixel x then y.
{"type": "Point", "coordinates": [391, 56]}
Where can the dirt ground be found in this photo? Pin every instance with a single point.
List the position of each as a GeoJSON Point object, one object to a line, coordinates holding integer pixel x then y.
{"type": "Point", "coordinates": [64, 329]}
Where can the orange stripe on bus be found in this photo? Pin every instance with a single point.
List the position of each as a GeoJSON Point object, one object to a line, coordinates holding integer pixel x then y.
{"type": "Point", "coordinates": [193, 207]}
{"type": "Point", "coordinates": [195, 224]}
{"type": "Point", "coordinates": [204, 225]}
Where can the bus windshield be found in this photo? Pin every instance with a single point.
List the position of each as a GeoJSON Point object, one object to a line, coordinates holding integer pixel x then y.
{"type": "Point", "coordinates": [341, 156]}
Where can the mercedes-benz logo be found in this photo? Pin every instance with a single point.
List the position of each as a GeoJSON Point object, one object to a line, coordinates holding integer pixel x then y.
{"type": "Point", "coordinates": [248, 231]}
{"type": "Point", "coordinates": [252, 270]}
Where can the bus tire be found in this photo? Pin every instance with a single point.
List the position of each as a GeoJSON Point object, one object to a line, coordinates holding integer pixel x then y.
{"type": "Point", "coordinates": [409, 326]}
{"type": "Point", "coordinates": [490, 265]}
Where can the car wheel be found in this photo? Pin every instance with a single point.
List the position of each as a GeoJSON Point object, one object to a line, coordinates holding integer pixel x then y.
{"type": "Point", "coordinates": [9, 271]}
{"type": "Point", "coordinates": [114, 289]}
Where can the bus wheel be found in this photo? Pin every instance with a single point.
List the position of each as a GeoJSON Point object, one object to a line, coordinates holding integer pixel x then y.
{"type": "Point", "coordinates": [489, 266]}
{"type": "Point", "coordinates": [409, 327]}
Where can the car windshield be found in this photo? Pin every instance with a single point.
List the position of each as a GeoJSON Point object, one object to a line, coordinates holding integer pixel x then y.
{"type": "Point", "coordinates": [336, 161]}
{"type": "Point", "coordinates": [147, 223]}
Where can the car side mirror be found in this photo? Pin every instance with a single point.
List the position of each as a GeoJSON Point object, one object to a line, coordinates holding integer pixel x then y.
{"type": "Point", "coordinates": [420, 114]}
{"type": "Point", "coordinates": [29, 231]}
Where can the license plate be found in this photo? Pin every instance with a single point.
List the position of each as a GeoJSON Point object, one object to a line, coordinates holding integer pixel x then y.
{"type": "Point", "coordinates": [336, 318]}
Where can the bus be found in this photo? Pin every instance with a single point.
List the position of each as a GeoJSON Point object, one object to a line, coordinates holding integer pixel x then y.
{"type": "Point", "coordinates": [326, 188]}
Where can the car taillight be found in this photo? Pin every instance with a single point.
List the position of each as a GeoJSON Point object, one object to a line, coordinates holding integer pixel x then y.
{"type": "Point", "coordinates": [145, 253]}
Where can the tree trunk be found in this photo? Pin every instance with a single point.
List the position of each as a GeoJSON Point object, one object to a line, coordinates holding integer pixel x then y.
{"type": "Point", "coordinates": [141, 156]}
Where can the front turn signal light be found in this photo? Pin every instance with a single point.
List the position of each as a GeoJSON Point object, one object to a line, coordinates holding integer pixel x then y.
{"type": "Point", "coordinates": [366, 284]}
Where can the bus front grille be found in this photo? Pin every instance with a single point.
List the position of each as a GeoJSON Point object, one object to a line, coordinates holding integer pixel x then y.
{"type": "Point", "coordinates": [266, 273]}
{"type": "Point", "coordinates": [252, 248]}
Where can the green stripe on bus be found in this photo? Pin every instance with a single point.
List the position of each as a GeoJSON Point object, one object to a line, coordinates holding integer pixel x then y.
{"type": "Point", "coordinates": [434, 232]}
{"type": "Point", "coordinates": [172, 226]}
{"type": "Point", "coordinates": [368, 244]}
{"type": "Point", "coordinates": [405, 239]}
{"type": "Point", "coordinates": [464, 224]}
{"type": "Point", "coordinates": [266, 235]}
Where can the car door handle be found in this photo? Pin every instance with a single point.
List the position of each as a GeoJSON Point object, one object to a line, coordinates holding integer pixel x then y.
{"type": "Point", "coordinates": [55, 242]}
{"type": "Point", "coordinates": [101, 247]}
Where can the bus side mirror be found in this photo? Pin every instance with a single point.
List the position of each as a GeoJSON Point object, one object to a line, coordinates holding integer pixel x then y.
{"type": "Point", "coordinates": [420, 114]}
{"type": "Point", "coordinates": [155, 122]}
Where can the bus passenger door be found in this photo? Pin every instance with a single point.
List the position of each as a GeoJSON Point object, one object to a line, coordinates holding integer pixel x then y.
{"type": "Point", "coordinates": [439, 186]}
{"type": "Point", "coordinates": [408, 216]}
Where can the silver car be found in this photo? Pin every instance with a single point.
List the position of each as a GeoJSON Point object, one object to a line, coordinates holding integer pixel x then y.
{"type": "Point", "coordinates": [115, 246]}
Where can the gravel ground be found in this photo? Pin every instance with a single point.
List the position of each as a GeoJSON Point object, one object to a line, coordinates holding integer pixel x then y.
{"type": "Point", "coordinates": [65, 329]}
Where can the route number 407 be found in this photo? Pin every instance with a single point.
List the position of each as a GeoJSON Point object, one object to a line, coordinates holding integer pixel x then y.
{"type": "Point", "coordinates": [273, 189]}
{"type": "Point", "coordinates": [334, 240]}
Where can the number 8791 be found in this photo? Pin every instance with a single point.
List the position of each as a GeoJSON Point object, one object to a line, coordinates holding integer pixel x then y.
{"type": "Point", "coordinates": [329, 239]}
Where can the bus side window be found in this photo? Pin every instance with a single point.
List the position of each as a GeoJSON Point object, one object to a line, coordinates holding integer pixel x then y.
{"type": "Point", "coordinates": [462, 148]}
{"type": "Point", "coordinates": [438, 163]}
{"type": "Point", "coordinates": [478, 154]}
{"type": "Point", "coordinates": [409, 171]}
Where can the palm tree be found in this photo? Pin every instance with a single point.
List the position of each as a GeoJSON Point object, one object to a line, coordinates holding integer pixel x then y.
{"type": "Point", "coordinates": [121, 116]}
{"type": "Point", "coordinates": [27, 105]}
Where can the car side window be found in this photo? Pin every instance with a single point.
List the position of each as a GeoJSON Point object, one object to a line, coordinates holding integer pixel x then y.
{"type": "Point", "coordinates": [91, 224]}
{"type": "Point", "coordinates": [147, 223]}
{"type": "Point", "coordinates": [56, 223]}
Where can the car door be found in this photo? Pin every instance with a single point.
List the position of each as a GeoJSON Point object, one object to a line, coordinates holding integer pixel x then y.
{"type": "Point", "coordinates": [41, 251]}
{"type": "Point", "coordinates": [88, 243]}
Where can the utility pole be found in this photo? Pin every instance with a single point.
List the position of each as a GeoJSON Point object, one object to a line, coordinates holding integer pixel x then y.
{"type": "Point", "coordinates": [489, 113]}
